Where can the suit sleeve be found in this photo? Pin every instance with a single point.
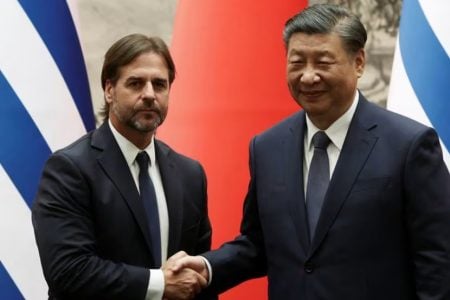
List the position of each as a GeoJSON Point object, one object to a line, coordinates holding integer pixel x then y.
{"type": "Point", "coordinates": [205, 231]}
{"type": "Point", "coordinates": [244, 257]}
{"type": "Point", "coordinates": [65, 235]}
{"type": "Point", "coordinates": [204, 237]}
{"type": "Point", "coordinates": [427, 185]}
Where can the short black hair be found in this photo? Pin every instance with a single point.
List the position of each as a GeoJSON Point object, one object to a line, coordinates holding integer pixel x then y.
{"type": "Point", "coordinates": [328, 18]}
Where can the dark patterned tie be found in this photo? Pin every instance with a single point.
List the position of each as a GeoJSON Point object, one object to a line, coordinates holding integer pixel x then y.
{"type": "Point", "coordinates": [318, 180]}
{"type": "Point", "coordinates": [148, 198]}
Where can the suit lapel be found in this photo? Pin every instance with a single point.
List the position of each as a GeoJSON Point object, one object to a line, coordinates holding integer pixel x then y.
{"type": "Point", "coordinates": [173, 193]}
{"type": "Point", "coordinates": [356, 149]}
{"type": "Point", "coordinates": [115, 166]}
{"type": "Point", "coordinates": [293, 152]}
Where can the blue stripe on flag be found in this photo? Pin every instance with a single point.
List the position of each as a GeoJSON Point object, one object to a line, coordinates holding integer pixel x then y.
{"type": "Point", "coordinates": [24, 150]}
{"type": "Point", "coordinates": [8, 289]}
{"type": "Point", "coordinates": [53, 21]}
{"type": "Point", "coordinates": [427, 65]}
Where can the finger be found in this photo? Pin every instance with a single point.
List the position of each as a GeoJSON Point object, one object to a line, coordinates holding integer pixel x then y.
{"type": "Point", "coordinates": [197, 286]}
{"type": "Point", "coordinates": [201, 281]}
{"type": "Point", "coordinates": [178, 255]}
{"type": "Point", "coordinates": [192, 262]}
{"type": "Point", "coordinates": [180, 264]}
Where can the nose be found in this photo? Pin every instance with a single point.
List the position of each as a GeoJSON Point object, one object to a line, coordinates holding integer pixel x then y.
{"type": "Point", "coordinates": [148, 91]}
{"type": "Point", "coordinates": [309, 76]}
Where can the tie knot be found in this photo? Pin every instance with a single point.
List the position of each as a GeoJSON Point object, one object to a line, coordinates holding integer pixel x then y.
{"type": "Point", "coordinates": [142, 160]}
{"type": "Point", "coordinates": [321, 140]}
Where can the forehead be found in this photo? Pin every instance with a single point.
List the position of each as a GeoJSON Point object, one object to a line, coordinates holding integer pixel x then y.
{"type": "Point", "coordinates": [144, 65]}
{"type": "Point", "coordinates": [319, 42]}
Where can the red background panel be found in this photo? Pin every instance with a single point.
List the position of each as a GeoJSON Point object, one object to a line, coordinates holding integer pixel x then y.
{"type": "Point", "coordinates": [230, 85]}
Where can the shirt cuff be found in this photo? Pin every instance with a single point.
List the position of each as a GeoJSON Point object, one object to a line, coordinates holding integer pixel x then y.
{"type": "Point", "coordinates": [208, 265]}
{"type": "Point", "coordinates": [155, 290]}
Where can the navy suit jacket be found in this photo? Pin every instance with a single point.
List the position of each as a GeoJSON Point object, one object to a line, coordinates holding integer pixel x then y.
{"type": "Point", "coordinates": [384, 229]}
{"type": "Point", "coordinates": [90, 224]}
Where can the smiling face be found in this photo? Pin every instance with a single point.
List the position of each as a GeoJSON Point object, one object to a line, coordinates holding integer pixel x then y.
{"type": "Point", "coordinates": [322, 76]}
{"type": "Point", "coordinates": [139, 99]}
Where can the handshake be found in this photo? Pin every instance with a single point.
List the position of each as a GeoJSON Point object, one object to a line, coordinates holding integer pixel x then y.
{"type": "Point", "coordinates": [184, 276]}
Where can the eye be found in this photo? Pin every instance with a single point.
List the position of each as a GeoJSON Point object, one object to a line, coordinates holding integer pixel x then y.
{"type": "Point", "coordinates": [324, 64]}
{"type": "Point", "coordinates": [296, 60]}
{"type": "Point", "coordinates": [160, 84]}
{"type": "Point", "coordinates": [135, 84]}
{"type": "Point", "coordinates": [296, 64]}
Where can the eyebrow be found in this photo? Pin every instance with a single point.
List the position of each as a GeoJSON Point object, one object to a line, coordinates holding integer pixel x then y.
{"type": "Point", "coordinates": [294, 51]}
{"type": "Point", "coordinates": [319, 53]}
{"type": "Point", "coordinates": [139, 78]}
{"type": "Point", "coordinates": [134, 78]}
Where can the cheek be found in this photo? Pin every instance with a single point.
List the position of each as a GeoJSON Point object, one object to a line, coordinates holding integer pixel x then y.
{"type": "Point", "coordinates": [292, 80]}
{"type": "Point", "coordinates": [126, 99]}
{"type": "Point", "coordinates": [163, 100]}
{"type": "Point", "coordinates": [124, 104]}
{"type": "Point", "coordinates": [163, 104]}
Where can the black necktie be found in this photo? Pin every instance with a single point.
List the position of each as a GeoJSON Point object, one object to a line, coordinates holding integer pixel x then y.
{"type": "Point", "coordinates": [148, 198]}
{"type": "Point", "coordinates": [318, 180]}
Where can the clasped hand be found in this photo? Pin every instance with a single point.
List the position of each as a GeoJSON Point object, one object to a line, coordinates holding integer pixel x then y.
{"type": "Point", "coordinates": [185, 276]}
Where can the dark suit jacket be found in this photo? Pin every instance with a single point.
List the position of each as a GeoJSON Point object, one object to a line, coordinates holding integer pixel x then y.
{"type": "Point", "coordinates": [90, 225]}
{"type": "Point", "coordinates": [384, 229]}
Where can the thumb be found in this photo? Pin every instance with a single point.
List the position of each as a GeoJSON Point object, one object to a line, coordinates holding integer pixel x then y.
{"type": "Point", "coordinates": [181, 263]}
{"type": "Point", "coordinates": [177, 256]}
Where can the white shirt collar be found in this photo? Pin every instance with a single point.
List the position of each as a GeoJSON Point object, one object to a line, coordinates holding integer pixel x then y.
{"type": "Point", "coordinates": [338, 130]}
{"type": "Point", "coordinates": [129, 150]}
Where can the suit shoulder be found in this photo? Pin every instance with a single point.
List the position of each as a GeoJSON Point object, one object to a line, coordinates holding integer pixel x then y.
{"type": "Point", "coordinates": [395, 122]}
{"type": "Point", "coordinates": [176, 156]}
{"type": "Point", "coordinates": [77, 148]}
{"type": "Point", "coordinates": [282, 127]}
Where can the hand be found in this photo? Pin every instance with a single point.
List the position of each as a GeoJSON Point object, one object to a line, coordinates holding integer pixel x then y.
{"type": "Point", "coordinates": [196, 263]}
{"type": "Point", "coordinates": [183, 283]}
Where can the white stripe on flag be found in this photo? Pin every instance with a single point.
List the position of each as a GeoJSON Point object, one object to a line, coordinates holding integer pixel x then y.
{"type": "Point", "coordinates": [437, 16]}
{"type": "Point", "coordinates": [401, 94]}
{"type": "Point", "coordinates": [18, 251]}
{"type": "Point", "coordinates": [34, 76]}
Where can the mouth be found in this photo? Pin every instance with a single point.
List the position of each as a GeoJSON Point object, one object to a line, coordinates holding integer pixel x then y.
{"type": "Point", "coordinates": [148, 111]}
{"type": "Point", "coordinates": [148, 114]}
{"type": "Point", "coordinates": [311, 94]}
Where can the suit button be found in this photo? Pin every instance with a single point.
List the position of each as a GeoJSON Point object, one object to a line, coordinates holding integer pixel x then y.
{"type": "Point", "coordinates": [309, 267]}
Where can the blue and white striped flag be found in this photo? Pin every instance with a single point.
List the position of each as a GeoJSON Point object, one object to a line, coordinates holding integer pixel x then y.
{"type": "Point", "coordinates": [44, 105]}
{"type": "Point", "coordinates": [420, 84]}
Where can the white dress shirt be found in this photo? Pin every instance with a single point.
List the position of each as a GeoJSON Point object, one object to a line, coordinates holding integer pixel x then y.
{"type": "Point", "coordinates": [336, 132]}
{"type": "Point", "coordinates": [130, 151]}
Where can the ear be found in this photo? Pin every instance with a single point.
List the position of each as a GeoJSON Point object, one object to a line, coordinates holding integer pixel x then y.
{"type": "Point", "coordinates": [360, 62]}
{"type": "Point", "coordinates": [109, 91]}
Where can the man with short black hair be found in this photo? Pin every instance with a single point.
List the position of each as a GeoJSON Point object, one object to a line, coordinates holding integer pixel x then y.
{"type": "Point", "coordinates": [346, 200]}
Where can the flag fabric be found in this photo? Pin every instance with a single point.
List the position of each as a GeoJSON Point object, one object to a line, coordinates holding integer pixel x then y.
{"type": "Point", "coordinates": [44, 105]}
{"type": "Point", "coordinates": [420, 82]}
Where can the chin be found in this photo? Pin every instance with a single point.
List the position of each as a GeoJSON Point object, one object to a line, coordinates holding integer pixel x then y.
{"type": "Point", "coordinates": [315, 109]}
{"type": "Point", "coordinates": [146, 126]}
